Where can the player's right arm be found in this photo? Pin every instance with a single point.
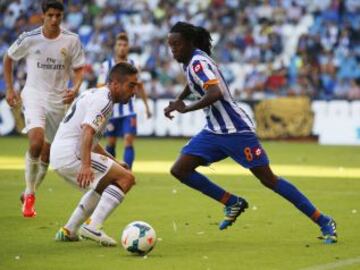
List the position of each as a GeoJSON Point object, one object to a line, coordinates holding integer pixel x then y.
{"type": "Point", "coordinates": [173, 104]}
{"type": "Point", "coordinates": [95, 118]}
{"type": "Point", "coordinates": [12, 97]}
{"type": "Point", "coordinates": [86, 175]}
{"type": "Point", "coordinates": [18, 50]}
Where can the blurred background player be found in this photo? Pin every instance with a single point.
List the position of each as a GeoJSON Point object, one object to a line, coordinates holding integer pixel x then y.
{"type": "Point", "coordinates": [229, 132]}
{"type": "Point", "coordinates": [51, 54]}
{"type": "Point", "coordinates": [123, 121]}
{"type": "Point", "coordinates": [77, 156]}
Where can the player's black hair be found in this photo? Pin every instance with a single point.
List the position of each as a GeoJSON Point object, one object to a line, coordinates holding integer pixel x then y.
{"type": "Point", "coordinates": [47, 4]}
{"type": "Point", "coordinates": [199, 36]}
{"type": "Point", "coordinates": [120, 70]}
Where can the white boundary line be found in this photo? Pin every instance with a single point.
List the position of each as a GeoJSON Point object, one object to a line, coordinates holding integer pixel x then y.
{"type": "Point", "coordinates": [335, 265]}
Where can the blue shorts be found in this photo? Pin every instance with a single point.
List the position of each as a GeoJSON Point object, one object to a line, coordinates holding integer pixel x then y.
{"type": "Point", "coordinates": [118, 127]}
{"type": "Point", "coordinates": [244, 148]}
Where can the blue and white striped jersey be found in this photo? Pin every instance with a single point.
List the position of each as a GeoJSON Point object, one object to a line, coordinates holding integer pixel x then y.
{"type": "Point", "coordinates": [223, 116]}
{"type": "Point", "coordinates": [119, 109]}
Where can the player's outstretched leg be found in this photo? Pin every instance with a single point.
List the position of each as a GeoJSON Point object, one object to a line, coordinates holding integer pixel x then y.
{"type": "Point", "coordinates": [111, 197]}
{"type": "Point", "coordinates": [113, 187]}
{"type": "Point", "coordinates": [299, 200]}
{"type": "Point", "coordinates": [28, 200]}
{"type": "Point", "coordinates": [84, 209]}
{"type": "Point", "coordinates": [184, 170]}
{"type": "Point", "coordinates": [32, 163]}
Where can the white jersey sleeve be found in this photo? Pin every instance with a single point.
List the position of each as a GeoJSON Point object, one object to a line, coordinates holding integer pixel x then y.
{"type": "Point", "coordinates": [96, 113]}
{"type": "Point", "coordinates": [78, 55]}
{"type": "Point", "coordinates": [19, 48]}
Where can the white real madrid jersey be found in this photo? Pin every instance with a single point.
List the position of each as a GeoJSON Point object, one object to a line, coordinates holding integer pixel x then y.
{"type": "Point", "coordinates": [93, 107]}
{"type": "Point", "coordinates": [48, 61]}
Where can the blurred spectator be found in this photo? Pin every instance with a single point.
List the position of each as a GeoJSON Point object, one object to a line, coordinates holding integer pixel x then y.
{"type": "Point", "coordinates": [316, 42]}
{"type": "Point", "coordinates": [354, 91]}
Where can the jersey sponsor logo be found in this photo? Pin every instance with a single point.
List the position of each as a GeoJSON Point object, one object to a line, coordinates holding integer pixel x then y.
{"type": "Point", "coordinates": [51, 64]}
{"type": "Point", "coordinates": [198, 67]}
{"type": "Point", "coordinates": [99, 120]}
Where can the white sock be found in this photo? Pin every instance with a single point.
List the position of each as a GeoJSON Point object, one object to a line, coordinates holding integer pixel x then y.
{"type": "Point", "coordinates": [111, 197]}
{"type": "Point", "coordinates": [31, 170]}
{"type": "Point", "coordinates": [84, 209]}
{"type": "Point", "coordinates": [41, 173]}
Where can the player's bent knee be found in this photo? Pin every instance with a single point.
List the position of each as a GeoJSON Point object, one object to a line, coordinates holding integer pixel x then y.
{"type": "Point", "coordinates": [179, 173]}
{"type": "Point", "coordinates": [175, 172]}
{"type": "Point", "coordinates": [126, 182]}
{"type": "Point", "coordinates": [45, 153]}
{"type": "Point", "coordinates": [35, 148]}
{"type": "Point", "coordinates": [269, 182]}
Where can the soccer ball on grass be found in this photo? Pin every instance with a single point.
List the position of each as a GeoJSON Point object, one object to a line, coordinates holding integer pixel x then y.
{"type": "Point", "coordinates": [138, 237]}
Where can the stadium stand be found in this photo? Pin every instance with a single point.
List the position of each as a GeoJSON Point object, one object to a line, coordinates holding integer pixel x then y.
{"type": "Point", "coordinates": [266, 48]}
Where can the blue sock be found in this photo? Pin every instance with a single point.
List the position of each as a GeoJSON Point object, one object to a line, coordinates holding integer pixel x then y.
{"type": "Point", "coordinates": [129, 155]}
{"type": "Point", "coordinates": [293, 195]}
{"type": "Point", "coordinates": [111, 150]}
{"type": "Point", "coordinates": [201, 183]}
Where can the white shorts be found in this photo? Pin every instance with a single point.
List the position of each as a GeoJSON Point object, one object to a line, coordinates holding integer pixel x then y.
{"type": "Point", "coordinates": [100, 166]}
{"type": "Point", "coordinates": [38, 114]}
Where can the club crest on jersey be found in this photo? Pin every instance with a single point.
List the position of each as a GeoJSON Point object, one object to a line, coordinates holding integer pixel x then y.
{"type": "Point", "coordinates": [63, 52]}
{"type": "Point", "coordinates": [197, 67]}
{"type": "Point", "coordinates": [99, 120]}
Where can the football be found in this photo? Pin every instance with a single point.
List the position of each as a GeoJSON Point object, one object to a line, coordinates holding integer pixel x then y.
{"type": "Point", "coordinates": [138, 237]}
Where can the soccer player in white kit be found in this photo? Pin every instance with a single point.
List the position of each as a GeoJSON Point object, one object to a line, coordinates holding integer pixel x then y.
{"type": "Point", "coordinates": [77, 156]}
{"type": "Point", "coordinates": [51, 54]}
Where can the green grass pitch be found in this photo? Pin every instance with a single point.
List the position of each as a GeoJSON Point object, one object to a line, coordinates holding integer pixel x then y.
{"type": "Point", "coordinates": [272, 234]}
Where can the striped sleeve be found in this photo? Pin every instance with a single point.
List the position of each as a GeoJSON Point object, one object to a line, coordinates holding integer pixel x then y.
{"type": "Point", "coordinates": [203, 73]}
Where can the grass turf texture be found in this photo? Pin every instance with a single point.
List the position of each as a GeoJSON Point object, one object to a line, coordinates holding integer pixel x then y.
{"type": "Point", "coordinates": [272, 234]}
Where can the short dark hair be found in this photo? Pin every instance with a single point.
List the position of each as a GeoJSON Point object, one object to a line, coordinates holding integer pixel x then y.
{"type": "Point", "coordinates": [122, 36]}
{"type": "Point", "coordinates": [47, 4]}
{"type": "Point", "coordinates": [120, 70]}
{"type": "Point", "coordinates": [199, 36]}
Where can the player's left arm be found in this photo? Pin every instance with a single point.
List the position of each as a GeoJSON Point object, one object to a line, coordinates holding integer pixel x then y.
{"type": "Point", "coordinates": [141, 92]}
{"type": "Point", "coordinates": [70, 94]}
{"type": "Point", "coordinates": [77, 64]}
